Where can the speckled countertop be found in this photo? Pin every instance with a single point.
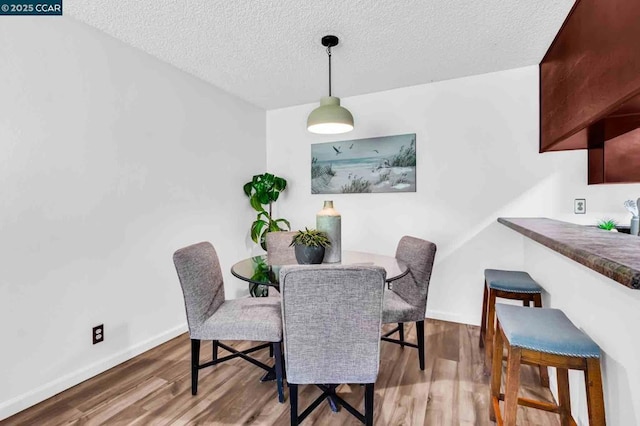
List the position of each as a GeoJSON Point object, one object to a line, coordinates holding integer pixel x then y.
{"type": "Point", "coordinates": [614, 255]}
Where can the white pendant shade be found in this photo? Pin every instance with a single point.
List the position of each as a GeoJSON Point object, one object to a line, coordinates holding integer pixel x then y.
{"type": "Point", "coordinates": [330, 118]}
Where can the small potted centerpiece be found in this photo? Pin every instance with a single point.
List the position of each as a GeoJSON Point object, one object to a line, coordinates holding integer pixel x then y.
{"type": "Point", "coordinates": [309, 246]}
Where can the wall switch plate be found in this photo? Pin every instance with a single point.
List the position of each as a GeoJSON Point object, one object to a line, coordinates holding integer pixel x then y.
{"type": "Point", "coordinates": [98, 333]}
{"type": "Point", "coordinates": [580, 206]}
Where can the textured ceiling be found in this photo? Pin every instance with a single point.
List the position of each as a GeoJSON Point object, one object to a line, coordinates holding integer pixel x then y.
{"type": "Point", "coordinates": [269, 52]}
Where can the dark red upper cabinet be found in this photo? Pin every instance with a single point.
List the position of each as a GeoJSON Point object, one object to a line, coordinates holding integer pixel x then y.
{"type": "Point", "coordinates": [590, 88]}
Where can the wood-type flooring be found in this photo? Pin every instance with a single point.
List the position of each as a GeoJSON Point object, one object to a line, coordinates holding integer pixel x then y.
{"type": "Point", "coordinates": [154, 388]}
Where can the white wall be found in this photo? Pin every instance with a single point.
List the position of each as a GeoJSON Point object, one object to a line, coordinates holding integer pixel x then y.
{"type": "Point", "coordinates": [477, 147]}
{"type": "Point", "coordinates": [110, 160]}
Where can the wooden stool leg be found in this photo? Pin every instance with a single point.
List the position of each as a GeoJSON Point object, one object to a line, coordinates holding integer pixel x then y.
{"type": "Point", "coordinates": [564, 400]}
{"type": "Point", "coordinates": [544, 371]}
{"type": "Point", "coordinates": [483, 320]}
{"type": "Point", "coordinates": [537, 300]}
{"type": "Point", "coordinates": [496, 374]}
{"type": "Point", "coordinates": [595, 399]}
{"type": "Point", "coordinates": [512, 385]}
{"type": "Point", "coordinates": [491, 328]}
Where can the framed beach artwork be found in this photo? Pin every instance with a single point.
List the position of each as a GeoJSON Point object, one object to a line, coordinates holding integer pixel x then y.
{"type": "Point", "coordinates": [384, 164]}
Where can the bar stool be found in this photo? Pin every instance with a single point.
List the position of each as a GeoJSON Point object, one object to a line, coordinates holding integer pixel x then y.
{"type": "Point", "coordinates": [543, 336]}
{"type": "Point", "coordinates": [514, 285]}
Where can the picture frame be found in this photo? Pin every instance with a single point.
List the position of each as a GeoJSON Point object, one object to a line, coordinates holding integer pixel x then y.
{"type": "Point", "coordinates": [370, 165]}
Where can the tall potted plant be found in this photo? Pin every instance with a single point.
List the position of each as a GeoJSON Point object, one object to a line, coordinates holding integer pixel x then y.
{"type": "Point", "coordinates": [264, 190]}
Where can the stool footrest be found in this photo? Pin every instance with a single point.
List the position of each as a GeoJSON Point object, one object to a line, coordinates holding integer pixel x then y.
{"type": "Point", "coordinates": [540, 405]}
{"type": "Point", "coordinates": [526, 402]}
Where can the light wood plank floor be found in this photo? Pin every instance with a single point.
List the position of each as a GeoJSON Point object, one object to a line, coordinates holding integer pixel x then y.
{"type": "Point", "coordinates": [154, 389]}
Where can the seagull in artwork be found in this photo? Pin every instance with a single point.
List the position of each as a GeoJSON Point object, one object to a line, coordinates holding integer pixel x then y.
{"type": "Point", "coordinates": [376, 151]}
{"type": "Point", "coordinates": [337, 150]}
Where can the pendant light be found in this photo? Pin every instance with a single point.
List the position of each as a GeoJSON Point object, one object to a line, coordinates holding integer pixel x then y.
{"type": "Point", "coordinates": [330, 117]}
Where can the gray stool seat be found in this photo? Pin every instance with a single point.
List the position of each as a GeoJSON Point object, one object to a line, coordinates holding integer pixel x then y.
{"type": "Point", "coordinates": [511, 281]}
{"type": "Point", "coordinates": [544, 330]}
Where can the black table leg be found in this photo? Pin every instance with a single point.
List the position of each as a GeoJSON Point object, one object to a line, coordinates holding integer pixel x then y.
{"type": "Point", "coordinates": [269, 376]}
{"type": "Point", "coordinates": [335, 407]}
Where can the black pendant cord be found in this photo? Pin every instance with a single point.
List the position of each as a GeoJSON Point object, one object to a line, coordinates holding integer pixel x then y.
{"type": "Point", "coordinates": [329, 53]}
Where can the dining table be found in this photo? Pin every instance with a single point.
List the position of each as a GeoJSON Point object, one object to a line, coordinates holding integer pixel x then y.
{"type": "Point", "coordinates": [258, 272]}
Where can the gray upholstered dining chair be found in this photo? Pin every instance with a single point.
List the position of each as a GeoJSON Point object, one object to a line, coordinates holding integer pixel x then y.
{"type": "Point", "coordinates": [331, 321]}
{"type": "Point", "coordinates": [279, 251]}
{"type": "Point", "coordinates": [406, 300]}
{"type": "Point", "coordinates": [211, 317]}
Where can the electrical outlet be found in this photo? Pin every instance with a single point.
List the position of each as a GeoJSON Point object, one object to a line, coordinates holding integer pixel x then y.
{"type": "Point", "coordinates": [98, 333]}
{"type": "Point", "coordinates": [579, 206]}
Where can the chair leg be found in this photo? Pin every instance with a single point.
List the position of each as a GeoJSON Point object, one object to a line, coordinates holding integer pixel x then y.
{"type": "Point", "coordinates": [512, 385]}
{"type": "Point", "coordinates": [537, 300]}
{"type": "Point", "coordinates": [595, 399]}
{"type": "Point", "coordinates": [282, 363]}
{"type": "Point", "coordinates": [271, 351]}
{"type": "Point", "coordinates": [277, 350]}
{"type": "Point", "coordinates": [401, 333]}
{"type": "Point", "coordinates": [368, 404]}
{"type": "Point", "coordinates": [215, 349]}
{"type": "Point", "coordinates": [491, 328]}
{"type": "Point", "coordinates": [544, 376]}
{"type": "Point", "coordinates": [544, 371]}
{"type": "Point", "coordinates": [420, 333]}
{"type": "Point", "coordinates": [483, 320]}
{"type": "Point", "coordinates": [564, 400]}
{"type": "Point", "coordinates": [195, 363]}
{"type": "Point", "coordinates": [293, 403]}
{"type": "Point", "coordinates": [496, 372]}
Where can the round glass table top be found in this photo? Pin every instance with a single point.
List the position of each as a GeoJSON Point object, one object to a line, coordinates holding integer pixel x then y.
{"type": "Point", "coordinates": [256, 270]}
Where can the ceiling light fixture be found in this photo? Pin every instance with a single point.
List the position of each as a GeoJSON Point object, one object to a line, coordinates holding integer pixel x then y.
{"type": "Point", "coordinates": [330, 117]}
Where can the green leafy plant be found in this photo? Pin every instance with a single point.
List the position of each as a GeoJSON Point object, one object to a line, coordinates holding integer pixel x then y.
{"type": "Point", "coordinates": [261, 272]}
{"type": "Point", "coordinates": [607, 224]}
{"type": "Point", "coordinates": [264, 190]}
{"type": "Point", "coordinates": [310, 238]}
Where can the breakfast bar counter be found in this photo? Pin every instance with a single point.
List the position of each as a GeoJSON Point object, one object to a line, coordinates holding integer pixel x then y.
{"type": "Point", "coordinates": [614, 255]}
{"type": "Point", "coordinates": [593, 276]}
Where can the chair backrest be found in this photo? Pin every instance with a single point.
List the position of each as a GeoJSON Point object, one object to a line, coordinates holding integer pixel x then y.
{"type": "Point", "coordinates": [419, 256]}
{"type": "Point", "coordinates": [278, 250]}
{"type": "Point", "coordinates": [331, 321]}
{"type": "Point", "coordinates": [200, 276]}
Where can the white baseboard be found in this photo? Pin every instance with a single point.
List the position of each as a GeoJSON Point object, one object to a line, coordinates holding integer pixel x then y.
{"type": "Point", "coordinates": [448, 316]}
{"type": "Point", "coordinates": [28, 399]}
